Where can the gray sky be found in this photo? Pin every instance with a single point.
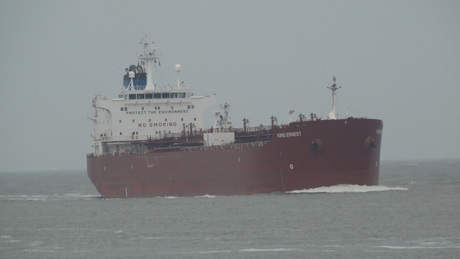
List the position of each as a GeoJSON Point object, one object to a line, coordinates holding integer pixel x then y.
{"type": "Point", "coordinates": [398, 61]}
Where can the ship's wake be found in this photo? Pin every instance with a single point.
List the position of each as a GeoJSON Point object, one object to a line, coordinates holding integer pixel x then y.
{"type": "Point", "coordinates": [349, 188]}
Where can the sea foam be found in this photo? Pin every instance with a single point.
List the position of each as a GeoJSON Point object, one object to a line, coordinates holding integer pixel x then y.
{"type": "Point", "coordinates": [349, 188]}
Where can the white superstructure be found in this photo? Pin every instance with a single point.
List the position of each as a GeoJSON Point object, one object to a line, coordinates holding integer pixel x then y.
{"type": "Point", "coordinates": [143, 112]}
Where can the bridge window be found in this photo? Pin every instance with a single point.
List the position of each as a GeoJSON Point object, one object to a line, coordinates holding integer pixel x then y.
{"type": "Point", "coordinates": [157, 95]}
{"type": "Point", "coordinates": [132, 97]}
{"type": "Point", "coordinates": [164, 95]}
{"type": "Point", "coordinates": [148, 96]}
{"type": "Point", "coordinates": [177, 95]}
{"type": "Point", "coordinates": [140, 96]}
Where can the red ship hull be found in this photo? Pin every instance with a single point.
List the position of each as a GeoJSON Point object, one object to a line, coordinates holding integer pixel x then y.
{"type": "Point", "coordinates": [299, 156]}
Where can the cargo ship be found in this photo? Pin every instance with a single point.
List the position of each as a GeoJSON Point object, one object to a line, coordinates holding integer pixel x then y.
{"type": "Point", "coordinates": [151, 140]}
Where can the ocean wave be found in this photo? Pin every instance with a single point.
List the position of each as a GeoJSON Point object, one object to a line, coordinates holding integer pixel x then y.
{"type": "Point", "coordinates": [268, 249]}
{"type": "Point", "coordinates": [246, 250]}
{"type": "Point", "coordinates": [215, 251]}
{"type": "Point", "coordinates": [206, 196]}
{"type": "Point", "coordinates": [48, 197]}
{"type": "Point", "coordinates": [7, 239]}
{"type": "Point", "coordinates": [429, 243]}
{"type": "Point", "coordinates": [418, 247]}
{"type": "Point", "coordinates": [202, 196]}
{"type": "Point", "coordinates": [349, 188]}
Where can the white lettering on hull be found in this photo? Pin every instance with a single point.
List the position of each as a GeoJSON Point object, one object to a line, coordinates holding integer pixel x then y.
{"type": "Point", "coordinates": [289, 134]}
{"type": "Point", "coordinates": [155, 124]}
{"type": "Point", "coordinates": [154, 112]}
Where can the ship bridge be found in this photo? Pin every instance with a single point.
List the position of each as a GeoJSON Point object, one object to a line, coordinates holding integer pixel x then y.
{"type": "Point", "coordinates": [142, 110]}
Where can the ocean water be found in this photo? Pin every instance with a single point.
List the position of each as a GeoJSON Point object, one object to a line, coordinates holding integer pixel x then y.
{"type": "Point", "coordinates": [414, 213]}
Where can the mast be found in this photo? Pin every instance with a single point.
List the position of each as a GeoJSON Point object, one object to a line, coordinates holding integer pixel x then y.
{"type": "Point", "coordinates": [290, 112]}
{"type": "Point", "coordinates": [178, 68]}
{"type": "Point", "coordinates": [226, 108]}
{"type": "Point", "coordinates": [149, 57]}
{"type": "Point", "coordinates": [332, 115]}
